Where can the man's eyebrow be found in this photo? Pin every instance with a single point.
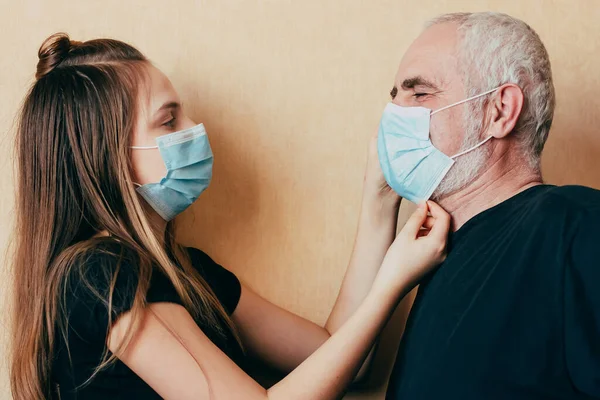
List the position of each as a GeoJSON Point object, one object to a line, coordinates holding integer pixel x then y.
{"type": "Point", "coordinates": [411, 83]}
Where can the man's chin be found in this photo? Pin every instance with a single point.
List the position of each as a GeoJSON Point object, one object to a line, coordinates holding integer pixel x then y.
{"type": "Point", "coordinates": [461, 175]}
{"type": "Point", "coordinates": [451, 185]}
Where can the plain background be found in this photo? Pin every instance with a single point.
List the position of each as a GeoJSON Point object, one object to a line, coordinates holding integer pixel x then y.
{"type": "Point", "coordinates": [290, 93]}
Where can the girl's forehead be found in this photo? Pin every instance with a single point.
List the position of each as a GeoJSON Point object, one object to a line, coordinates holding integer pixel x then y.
{"type": "Point", "coordinates": [156, 91]}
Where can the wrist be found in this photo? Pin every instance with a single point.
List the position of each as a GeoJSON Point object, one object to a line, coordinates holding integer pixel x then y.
{"type": "Point", "coordinates": [386, 292]}
{"type": "Point", "coordinates": [380, 210]}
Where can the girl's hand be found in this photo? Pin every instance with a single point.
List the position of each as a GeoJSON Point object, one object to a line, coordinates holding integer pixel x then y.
{"type": "Point", "coordinates": [375, 189]}
{"type": "Point", "coordinates": [418, 248]}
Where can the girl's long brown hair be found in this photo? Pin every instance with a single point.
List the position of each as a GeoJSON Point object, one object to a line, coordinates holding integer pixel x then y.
{"type": "Point", "coordinates": [74, 181]}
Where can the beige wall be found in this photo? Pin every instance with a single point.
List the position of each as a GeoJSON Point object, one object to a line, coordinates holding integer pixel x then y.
{"type": "Point", "coordinates": [290, 93]}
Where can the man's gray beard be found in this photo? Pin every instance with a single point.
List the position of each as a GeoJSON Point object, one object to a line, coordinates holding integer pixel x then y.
{"type": "Point", "coordinates": [465, 170]}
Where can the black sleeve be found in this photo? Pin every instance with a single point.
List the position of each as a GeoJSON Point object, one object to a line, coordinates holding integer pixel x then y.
{"type": "Point", "coordinates": [225, 284]}
{"type": "Point", "coordinates": [582, 306]}
{"type": "Point", "coordinates": [87, 292]}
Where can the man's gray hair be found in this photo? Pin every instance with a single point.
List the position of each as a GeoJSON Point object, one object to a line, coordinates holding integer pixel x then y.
{"type": "Point", "coordinates": [495, 49]}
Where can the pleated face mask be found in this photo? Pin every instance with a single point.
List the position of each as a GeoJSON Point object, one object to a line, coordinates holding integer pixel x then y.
{"type": "Point", "coordinates": [411, 164]}
{"type": "Point", "coordinates": [189, 161]}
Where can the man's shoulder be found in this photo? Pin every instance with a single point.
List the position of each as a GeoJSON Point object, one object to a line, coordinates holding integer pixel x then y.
{"type": "Point", "coordinates": [575, 196]}
{"type": "Point", "coordinates": [565, 210]}
{"type": "Point", "coordinates": [573, 201]}
{"type": "Point", "coordinates": [552, 210]}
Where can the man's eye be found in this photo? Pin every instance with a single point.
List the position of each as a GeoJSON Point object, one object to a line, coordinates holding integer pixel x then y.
{"type": "Point", "coordinates": [419, 95]}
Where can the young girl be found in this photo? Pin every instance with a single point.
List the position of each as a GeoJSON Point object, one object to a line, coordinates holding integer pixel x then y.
{"type": "Point", "coordinates": [109, 306]}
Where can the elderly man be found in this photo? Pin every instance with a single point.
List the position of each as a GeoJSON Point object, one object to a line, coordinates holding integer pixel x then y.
{"type": "Point", "coordinates": [514, 311]}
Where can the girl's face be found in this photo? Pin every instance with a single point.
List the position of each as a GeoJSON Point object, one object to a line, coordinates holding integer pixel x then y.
{"type": "Point", "coordinates": [159, 113]}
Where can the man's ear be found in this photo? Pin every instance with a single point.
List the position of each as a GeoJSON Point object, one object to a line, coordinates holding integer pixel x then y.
{"type": "Point", "coordinates": [505, 109]}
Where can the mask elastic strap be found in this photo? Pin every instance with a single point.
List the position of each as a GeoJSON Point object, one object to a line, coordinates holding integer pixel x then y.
{"type": "Point", "coordinates": [143, 147]}
{"type": "Point", "coordinates": [465, 100]}
{"type": "Point", "coordinates": [137, 184]}
{"type": "Point", "coordinates": [472, 148]}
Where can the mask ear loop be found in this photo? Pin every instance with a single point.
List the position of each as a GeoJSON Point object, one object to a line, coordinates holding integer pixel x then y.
{"type": "Point", "coordinates": [464, 101]}
{"type": "Point", "coordinates": [472, 148]}
{"type": "Point", "coordinates": [461, 102]}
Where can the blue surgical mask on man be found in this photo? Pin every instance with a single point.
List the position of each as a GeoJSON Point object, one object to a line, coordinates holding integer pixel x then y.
{"type": "Point", "coordinates": [189, 161]}
{"type": "Point", "coordinates": [411, 164]}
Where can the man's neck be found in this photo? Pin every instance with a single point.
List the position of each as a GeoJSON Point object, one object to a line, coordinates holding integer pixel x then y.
{"type": "Point", "coordinates": [497, 184]}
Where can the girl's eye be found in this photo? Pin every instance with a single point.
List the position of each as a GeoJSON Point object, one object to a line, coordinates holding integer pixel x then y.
{"type": "Point", "coordinates": [170, 123]}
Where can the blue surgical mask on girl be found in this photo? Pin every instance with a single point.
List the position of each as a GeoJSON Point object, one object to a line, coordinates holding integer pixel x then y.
{"type": "Point", "coordinates": [411, 165]}
{"type": "Point", "coordinates": [189, 161]}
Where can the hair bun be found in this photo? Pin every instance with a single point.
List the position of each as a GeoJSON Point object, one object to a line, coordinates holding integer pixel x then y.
{"type": "Point", "coordinates": [53, 51]}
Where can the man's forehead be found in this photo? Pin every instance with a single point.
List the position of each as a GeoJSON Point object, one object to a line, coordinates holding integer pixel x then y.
{"type": "Point", "coordinates": [431, 56]}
